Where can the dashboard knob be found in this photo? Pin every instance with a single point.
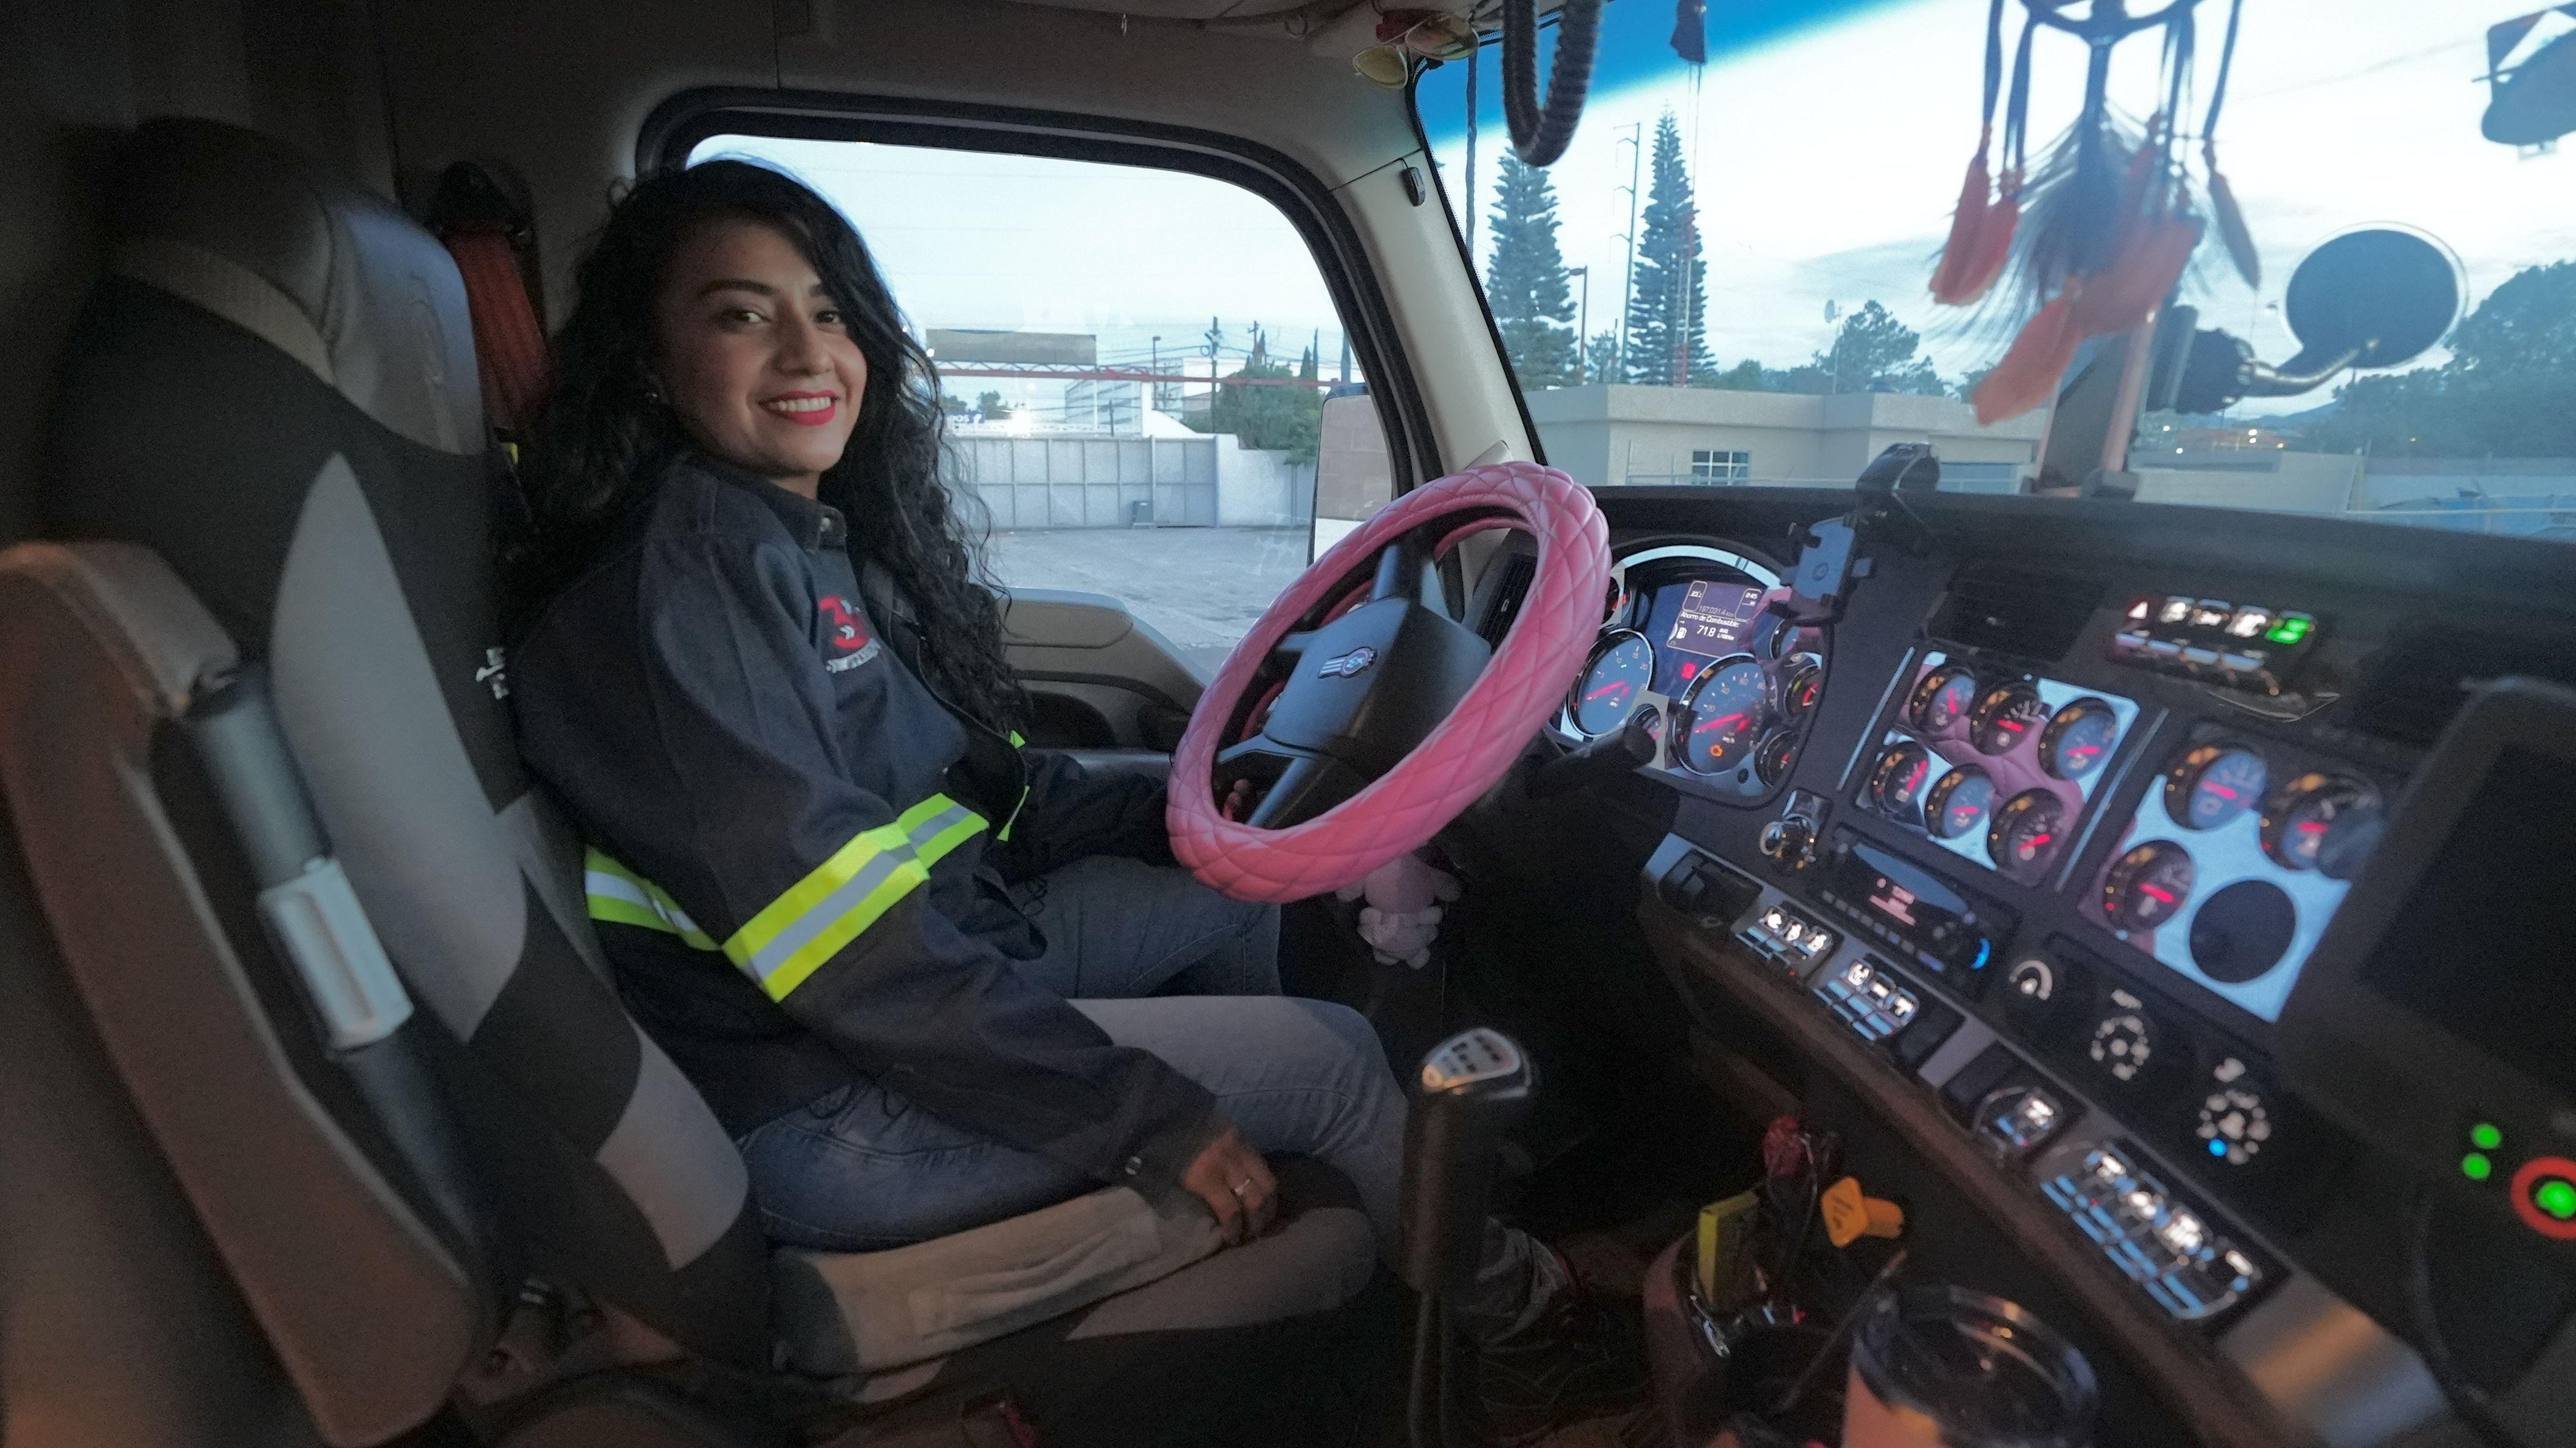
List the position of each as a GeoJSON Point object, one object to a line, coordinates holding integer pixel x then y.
{"type": "Point", "coordinates": [1790, 841]}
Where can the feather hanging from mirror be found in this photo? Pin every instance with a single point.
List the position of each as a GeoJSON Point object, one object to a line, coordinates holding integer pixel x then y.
{"type": "Point", "coordinates": [2229, 218]}
{"type": "Point", "coordinates": [2098, 235]}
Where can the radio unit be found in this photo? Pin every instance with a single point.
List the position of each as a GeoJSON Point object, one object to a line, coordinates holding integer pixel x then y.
{"type": "Point", "coordinates": [1918, 913]}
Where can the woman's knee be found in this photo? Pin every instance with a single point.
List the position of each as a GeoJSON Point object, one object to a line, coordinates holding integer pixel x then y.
{"type": "Point", "coordinates": [1361, 1058]}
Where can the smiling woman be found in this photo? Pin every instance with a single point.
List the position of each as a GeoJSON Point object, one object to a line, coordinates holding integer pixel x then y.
{"type": "Point", "coordinates": [753, 354]}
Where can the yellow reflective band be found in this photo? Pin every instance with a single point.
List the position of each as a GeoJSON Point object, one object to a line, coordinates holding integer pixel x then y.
{"type": "Point", "coordinates": [619, 896]}
{"type": "Point", "coordinates": [1016, 740]}
{"type": "Point", "coordinates": [809, 923]}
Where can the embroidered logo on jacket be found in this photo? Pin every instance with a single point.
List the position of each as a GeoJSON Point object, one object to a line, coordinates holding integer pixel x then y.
{"type": "Point", "coordinates": [846, 644]}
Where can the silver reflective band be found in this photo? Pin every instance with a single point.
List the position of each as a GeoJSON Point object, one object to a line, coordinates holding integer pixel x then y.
{"type": "Point", "coordinates": [323, 931]}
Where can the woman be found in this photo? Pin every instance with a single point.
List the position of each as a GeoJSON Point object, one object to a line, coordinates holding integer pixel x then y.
{"type": "Point", "coordinates": [914, 967]}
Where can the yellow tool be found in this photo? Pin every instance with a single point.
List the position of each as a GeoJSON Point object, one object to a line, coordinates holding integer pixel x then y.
{"type": "Point", "coordinates": [1726, 1246]}
{"type": "Point", "coordinates": [1850, 1216]}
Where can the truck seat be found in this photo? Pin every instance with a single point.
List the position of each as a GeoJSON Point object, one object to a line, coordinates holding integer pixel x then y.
{"type": "Point", "coordinates": [254, 738]}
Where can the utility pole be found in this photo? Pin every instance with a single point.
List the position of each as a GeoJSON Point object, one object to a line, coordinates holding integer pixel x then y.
{"type": "Point", "coordinates": [1155, 398]}
{"type": "Point", "coordinates": [1346, 354]}
{"type": "Point", "coordinates": [1635, 140]}
{"type": "Point", "coordinates": [1582, 327]}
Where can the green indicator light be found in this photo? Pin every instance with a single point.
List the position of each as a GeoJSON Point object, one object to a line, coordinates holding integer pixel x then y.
{"type": "Point", "coordinates": [2476, 1167]}
{"type": "Point", "coordinates": [2485, 1137]}
{"type": "Point", "coordinates": [2557, 1197]}
{"type": "Point", "coordinates": [2290, 630]}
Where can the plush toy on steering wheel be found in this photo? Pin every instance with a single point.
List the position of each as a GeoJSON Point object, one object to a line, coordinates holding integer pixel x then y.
{"type": "Point", "coordinates": [1364, 717]}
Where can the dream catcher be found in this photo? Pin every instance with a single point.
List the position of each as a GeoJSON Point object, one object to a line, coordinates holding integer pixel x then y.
{"type": "Point", "coordinates": [2100, 231]}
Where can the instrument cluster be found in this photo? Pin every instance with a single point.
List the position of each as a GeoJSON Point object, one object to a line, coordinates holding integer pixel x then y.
{"type": "Point", "coordinates": [1699, 640]}
{"type": "Point", "coordinates": [1995, 768]}
{"type": "Point", "coordinates": [2233, 861]}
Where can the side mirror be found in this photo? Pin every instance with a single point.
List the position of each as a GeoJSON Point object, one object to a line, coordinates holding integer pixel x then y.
{"type": "Point", "coordinates": [2373, 298]}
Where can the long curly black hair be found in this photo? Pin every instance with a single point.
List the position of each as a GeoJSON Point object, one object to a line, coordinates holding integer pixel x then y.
{"type": "Point", "coordinates": [602, 440]}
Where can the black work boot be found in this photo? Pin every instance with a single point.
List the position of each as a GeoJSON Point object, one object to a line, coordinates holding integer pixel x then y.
{"type": "Point", "coordinates": [1579, 1359]}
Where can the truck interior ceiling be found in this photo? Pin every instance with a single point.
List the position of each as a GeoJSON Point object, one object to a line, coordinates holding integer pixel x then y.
{"type": "Point", "coordinates": [1383, 723]}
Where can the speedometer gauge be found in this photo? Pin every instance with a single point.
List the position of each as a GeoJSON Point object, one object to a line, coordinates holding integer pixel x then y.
{"type": "Point", "coordinates": [2212, 785]}
{"type": "Point", "coordinates": [2007, 715]}
{"type": "Point", "coordinates": [1723, 715]}
{"type": "Point", "coordinates": [1942, 699]}
{"type": "Point", "coordinates": [1615, 684]}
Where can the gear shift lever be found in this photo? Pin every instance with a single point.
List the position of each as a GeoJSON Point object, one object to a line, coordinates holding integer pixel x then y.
{"type": "Point", "coordinates": [1472, 1088]}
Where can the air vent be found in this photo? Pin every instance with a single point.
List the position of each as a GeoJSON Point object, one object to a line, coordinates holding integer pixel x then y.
{"type": "Point", "coordinates": [2034, 616]}
{"type": "Point", "coordinates": [1518, 570]}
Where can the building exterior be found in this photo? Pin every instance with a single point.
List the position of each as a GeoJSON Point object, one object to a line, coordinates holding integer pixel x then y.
{"type": "Point", "coordinates": [1609, 434]}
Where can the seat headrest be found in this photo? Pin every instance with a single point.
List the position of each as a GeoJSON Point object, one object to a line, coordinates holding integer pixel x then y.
{"type": "Point", "coordinates": [328, 272]}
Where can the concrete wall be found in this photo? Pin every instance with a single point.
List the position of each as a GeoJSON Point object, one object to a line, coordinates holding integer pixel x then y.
{"type": "Point", "coordinates": [1261, 488]}
{"type": "Point", "coordinates": [1610, 434]}
{"type": "Point", "coordinates": [1075, 480]}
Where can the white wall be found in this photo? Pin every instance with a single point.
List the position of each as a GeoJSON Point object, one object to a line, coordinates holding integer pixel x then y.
{"type": "Point", "coordinates": [1260, 488]}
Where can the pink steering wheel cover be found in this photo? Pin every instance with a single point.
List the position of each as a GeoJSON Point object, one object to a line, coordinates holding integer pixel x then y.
{"type": "Point", "coordinates": [1462, 758]}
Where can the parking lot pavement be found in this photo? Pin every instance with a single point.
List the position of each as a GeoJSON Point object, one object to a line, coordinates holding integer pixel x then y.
{"type": "Point", "coordinates": [1204, 588]}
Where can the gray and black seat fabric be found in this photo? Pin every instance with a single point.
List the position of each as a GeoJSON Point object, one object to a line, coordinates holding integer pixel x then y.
{"type": "Point", "coordinates": [296, 532]}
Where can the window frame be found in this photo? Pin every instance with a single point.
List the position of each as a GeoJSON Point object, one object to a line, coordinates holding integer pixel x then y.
{"type": "Point", "coordinates": [1732, 466]}
{"type": "Point", "coordinates": [679, 124]}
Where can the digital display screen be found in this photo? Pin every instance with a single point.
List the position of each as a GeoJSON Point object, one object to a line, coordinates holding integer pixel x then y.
{"type": "Point", "coordinates": [2481, 948]}
{"type": "Point", "coordinates": [1715, 617]}
{"type": "Point", "coordinates": [1928, 916]}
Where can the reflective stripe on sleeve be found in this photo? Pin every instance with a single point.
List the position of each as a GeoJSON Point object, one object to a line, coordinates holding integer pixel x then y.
{"type": "Point", "coordinates": [794, 934]}
{"type": "Point", "coordinates": [1004, 834]}
{"type": "Point", "coordinates": [619, 896]}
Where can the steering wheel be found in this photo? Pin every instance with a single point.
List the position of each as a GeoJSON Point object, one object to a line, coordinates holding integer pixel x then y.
{"type": "Point", "coordinates": [1378, 716]}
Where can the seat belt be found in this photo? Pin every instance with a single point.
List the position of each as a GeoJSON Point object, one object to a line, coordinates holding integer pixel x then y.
{"type": "Point", "coordinates": [491, 242]}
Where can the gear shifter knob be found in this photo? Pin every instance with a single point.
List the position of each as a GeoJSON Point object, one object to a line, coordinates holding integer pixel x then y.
{"type": "Point", "coordinates": [1472, 1088]}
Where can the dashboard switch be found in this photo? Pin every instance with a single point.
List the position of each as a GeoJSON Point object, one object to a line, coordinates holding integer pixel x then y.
{"type": "Point", "coordinates": [2170, 1249]}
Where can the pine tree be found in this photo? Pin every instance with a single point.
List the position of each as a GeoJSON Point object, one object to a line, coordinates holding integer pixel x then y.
{"type": "Point", "coordinates": [1525, 281]}
{"type": "Point", "coordinates": [1668, 310]}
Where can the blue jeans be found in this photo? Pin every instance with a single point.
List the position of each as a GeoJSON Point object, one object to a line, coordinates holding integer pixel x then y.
{"type": "Point", "coordinates": [862, 1168]}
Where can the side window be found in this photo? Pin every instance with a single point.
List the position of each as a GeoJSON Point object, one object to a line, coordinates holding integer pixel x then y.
{"type": "Point", "coordinates": [1150, 393]}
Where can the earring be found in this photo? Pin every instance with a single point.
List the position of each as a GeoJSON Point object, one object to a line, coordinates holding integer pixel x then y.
{"type": "Point", "coordinates": [653, 392]}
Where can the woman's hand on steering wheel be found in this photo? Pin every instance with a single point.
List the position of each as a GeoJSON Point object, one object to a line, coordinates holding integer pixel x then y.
{"type": "Point", "coordinates": [1236, 1184]}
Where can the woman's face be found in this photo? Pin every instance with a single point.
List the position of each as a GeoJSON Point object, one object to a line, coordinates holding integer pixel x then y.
{"type": "Point", "coordinates": [754, 356]}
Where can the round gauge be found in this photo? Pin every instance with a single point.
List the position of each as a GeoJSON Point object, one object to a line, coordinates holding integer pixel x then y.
{"type": "Point", "coordinates": [1654, 723]}
{"type": "Point", "coordinates": [2243, 931]}
{"type": "Point", "coordinates": [1802, 683]}
{"type": "Point", "coordinates": [1615, 684]}
{"type": "Point", "coordinates": [2123, 1043]}
{"type": "Point", "coordinates": [1777, 756]}
{"type": "Point", "coordinates": [1788, 637]}
{"type": "Point", "coordinates": [2005, 716]}
{"type": "Point", "coordinates": [2234, 1122]}
{"type": "Point", "coordinates": [2077, 741]}
{"type": "Point", "coordinates": [2299, 814]}
{"type": "Point", "coordinates": [1958, 802]}
{"type": "Point", "coordinates": [2147, 886]}
{"type": "Point", "coordinates": [1725, 711]}
{"type": "Point", "coordinates": [2023, 838]}
{"type": "Point", "coordinates": [2212, 785]}
{"type": "Point", "coordinates": [1897, 775]}
{"type": "Point", "coordinates": [1941, 699]}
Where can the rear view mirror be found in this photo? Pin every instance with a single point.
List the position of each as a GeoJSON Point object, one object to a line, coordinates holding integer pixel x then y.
{"type": "Point", "coordinates": [2373, 298]}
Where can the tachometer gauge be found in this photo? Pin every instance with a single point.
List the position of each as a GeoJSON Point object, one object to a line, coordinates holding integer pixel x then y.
{"type": "Point", "coordinates": [1941, 699]}
{"type": "Point", "coordinates": [2007, 715]}
{"type": "Point", "coordinates": [1777, 756]}
{"type": "Point", "coordinates": [2077, 741]}
{"type": "Point", "coordinates": [2147, 886]}
{"type": "Point", "coordinates": [1958, 802]}
{"type": "Point", "coordinates": [1724, 715]}
{"type": "Point", "coordinates": [1615, 684]}
{"type": "Point", "coordinates": [2297, 817]}
{"type": "Point", "coordinates": [1897, 775]}
{"type": "Point", "coordinates": [2023, 838]}
{"type": "Point", "coordinates": [2212, 785]}
{"type": "Point", "coordinates": [1802, 683]}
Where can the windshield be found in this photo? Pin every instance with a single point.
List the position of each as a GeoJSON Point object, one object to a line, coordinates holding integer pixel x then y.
{"type": "Point", "coordinates": [1808, 175]}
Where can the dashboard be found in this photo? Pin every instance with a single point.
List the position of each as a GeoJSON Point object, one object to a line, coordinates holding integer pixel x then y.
{"type": "Point", "coordinates": [2050, 828]}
